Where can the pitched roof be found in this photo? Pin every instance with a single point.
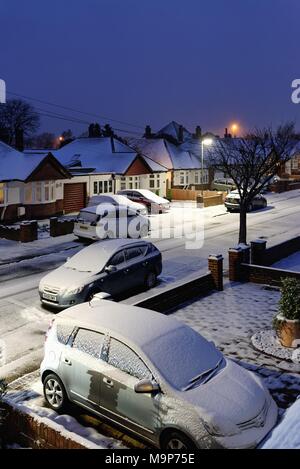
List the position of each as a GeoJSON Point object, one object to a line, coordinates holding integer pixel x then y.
{"type": "Point", "coordinates": [15, 165]}
{"type": "Point", "coordinates": [172, 129]}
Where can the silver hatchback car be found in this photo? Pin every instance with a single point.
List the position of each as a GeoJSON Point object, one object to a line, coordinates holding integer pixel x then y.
{"type": "Point", "coordinates": [155, 377]}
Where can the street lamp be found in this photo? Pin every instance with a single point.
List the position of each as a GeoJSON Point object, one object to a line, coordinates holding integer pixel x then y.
{"type": "Point", "coordinates": [207, 142]}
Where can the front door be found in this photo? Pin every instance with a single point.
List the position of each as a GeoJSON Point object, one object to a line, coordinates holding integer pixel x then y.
{"type": "Point", "coordinates": [118, 400]}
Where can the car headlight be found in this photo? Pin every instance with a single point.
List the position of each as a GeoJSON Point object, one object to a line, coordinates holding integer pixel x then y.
{"type": "Point", "coordinates": [74, 290]}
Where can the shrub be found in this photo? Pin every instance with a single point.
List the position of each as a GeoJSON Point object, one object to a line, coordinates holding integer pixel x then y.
{"type": "Point", "coordinates": [289, 303]}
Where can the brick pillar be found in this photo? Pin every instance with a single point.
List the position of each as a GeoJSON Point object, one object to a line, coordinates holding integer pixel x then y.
{"type": "Point", "coordinates": [235, 259]}
{"type": "Point", "coordinates": [53, 226]}
{"type": "Point", "coordinates": [28, 231]}
{"type": "Point", "coordinates": [215, 265]}
{"type": "Point", "coordinates": [246, 253]}
{"type": "Point", "coordinates": [258, 248]}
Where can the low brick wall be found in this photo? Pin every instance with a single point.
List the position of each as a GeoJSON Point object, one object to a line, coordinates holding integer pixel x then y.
{"type": "Point", "coordinates": [216, 198]}
{"type": "Point", "coordinates": [26, 232]}
{"type": "Point", "coordinates": [282, 250]}
{"type": "Point", "coordinates": [61, 227]}
{"type": "Point", "coordinates": [284, 185]}
{"type": "Point", "coordinates": [175, 296]}
{"type": "Point", "coordinates": [28, 430]}
{"type": "Point", "coordinates": [266, 275]}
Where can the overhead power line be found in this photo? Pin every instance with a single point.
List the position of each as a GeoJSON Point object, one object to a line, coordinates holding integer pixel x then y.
{"type": "Point", "coordinates": [74, 110]}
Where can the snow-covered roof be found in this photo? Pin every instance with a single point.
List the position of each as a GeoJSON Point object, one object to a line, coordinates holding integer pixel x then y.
{"type": "Point", "coordinates": [172, 129]}
{"type": "Point", "coordinates": [166, 153]}
{"type": "Point", "coordinates": [15, 165]}
{"type": "Point", "coordinates": [125, 321]}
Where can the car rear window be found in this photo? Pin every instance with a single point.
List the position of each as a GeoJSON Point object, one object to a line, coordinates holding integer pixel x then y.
{"type": "Point", "coordinates": [63, 332]}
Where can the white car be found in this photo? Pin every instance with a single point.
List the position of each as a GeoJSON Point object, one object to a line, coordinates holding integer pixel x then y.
{"type": "Point", "coordinates": [154, 376]}
{"type": "Point", "coordinates": [110, 221]}
{"type": "Point", "coordinates": [117, 199]}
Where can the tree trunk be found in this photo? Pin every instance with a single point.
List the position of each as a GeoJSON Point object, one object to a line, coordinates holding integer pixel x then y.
{"type": "Point", "coordinates": [243, 226]}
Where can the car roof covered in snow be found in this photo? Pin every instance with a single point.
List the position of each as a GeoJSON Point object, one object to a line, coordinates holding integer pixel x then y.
{"type": "Point", "coordinates": [136, 325]}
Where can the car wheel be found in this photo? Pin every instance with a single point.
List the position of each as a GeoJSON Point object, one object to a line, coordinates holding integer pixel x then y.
{"type": "Point", "coordinates": [150, 280]}
{"type": "Point", "coordinates": [176, 440]}
{"type": "Point", "coordinates": [55, 393]}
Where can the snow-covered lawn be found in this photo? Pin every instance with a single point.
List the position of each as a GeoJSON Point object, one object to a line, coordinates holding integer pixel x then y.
{"type": "Point", "coordinates": [230, 318]}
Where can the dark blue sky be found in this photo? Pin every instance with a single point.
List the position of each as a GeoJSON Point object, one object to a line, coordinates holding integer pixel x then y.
{"type": "Point", "coordinates": [152, 61]}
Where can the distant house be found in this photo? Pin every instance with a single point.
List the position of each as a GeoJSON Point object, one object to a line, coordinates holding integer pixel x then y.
{"type": "Point", "coordinates": [179, 151]}
{"type": "Point", "coordinates": [30, 186]}
{"type": "Point", "coordinates": [292, 167]}
{"type": "Point", "coordinates": [104, 165]}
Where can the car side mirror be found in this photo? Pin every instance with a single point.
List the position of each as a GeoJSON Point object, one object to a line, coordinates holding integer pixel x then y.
{"type": "Point", "coordinates": [146, 386]}
{"type": "Point", "coordinates": [110, 268]}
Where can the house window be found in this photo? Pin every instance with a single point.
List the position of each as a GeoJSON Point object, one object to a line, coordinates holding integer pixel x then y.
{"type": "Point", "coordinates": [196, 177]}
{"type": "Point", "coordinates": [105, 186]}
{"type": "Point", "coordinates": [38, 192]}
{"type": "Point", "coordinates": [123, 186]}
{"type": "Point", "coordinates": [95, 187]}
{"type": "Point", "coordinates": [52, 190]}
{"type": "Point", "coordinates": [151, 183]}
{"type": "Point", "coordinates": [110, 186]}
{"type": "Point", "coordinates": [295, 163]}
{"type": "Point", "coordinates": [181, 179]}
{"type": "Point", "coordinates": [28, 193]}
{"type": "Point", "coordinates": [130, 185]}
{"type": "Point", "coordinates": [47, 191]}
{"type": "Point", "coordinates": [1, 193]}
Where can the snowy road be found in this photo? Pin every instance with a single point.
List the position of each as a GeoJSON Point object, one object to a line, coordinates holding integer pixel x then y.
{"type": "Point", "coordinates": [23, 321]}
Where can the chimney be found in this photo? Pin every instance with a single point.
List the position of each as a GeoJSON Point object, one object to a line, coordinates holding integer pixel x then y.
{"type": "Point", "coordinates": [19, 140]}
{"type": "Point", "coordinates": [180, 134]}
{"type": "Point", "coordinates": [198, 132]}
{"type": "Point", "coordinates": [91, 130]}
{"type": "Point", "coordinates": [148, 132]}
{"type": "Point", "coordinates": [226, 133]}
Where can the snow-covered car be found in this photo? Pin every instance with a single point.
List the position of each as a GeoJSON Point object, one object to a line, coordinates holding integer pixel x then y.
{"type": "Point", "coordinates": [154, 376]}
{"type": "Point", "coordinates": [117, 199]}
{"type": "Point", "coordinates": [232, 202]}
{"type": "Point", "coordinates": [113, 267]}
{"type": "Point", "coordinates": [110, 221]}
{"type": "Point", "coordinates": [154, 203]}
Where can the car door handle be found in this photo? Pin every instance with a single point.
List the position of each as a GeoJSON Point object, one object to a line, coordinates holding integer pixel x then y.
{"type": "Point", "coordinates": [145, 263]}
{"type": "Point", "coordinates": [126, 271]}
{"type": "Point", "coordinates": [108, 382]}
{"type": "Point", "coordinates": [67, 361]}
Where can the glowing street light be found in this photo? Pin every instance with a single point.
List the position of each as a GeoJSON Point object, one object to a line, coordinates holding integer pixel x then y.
{"type": "Point", "coordinates": [234, 129]}
{"type": "Point", "coordinates": [205, 142]}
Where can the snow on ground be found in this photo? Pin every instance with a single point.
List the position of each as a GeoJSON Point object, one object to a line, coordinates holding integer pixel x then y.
{"type": "Point", "coordinates": [230, 318]}
{"type": "Point", "coordinates": [291, 263]}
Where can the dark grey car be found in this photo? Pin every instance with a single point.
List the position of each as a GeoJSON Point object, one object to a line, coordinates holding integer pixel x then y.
{"type": "Point", "coordinates": [111, 266]}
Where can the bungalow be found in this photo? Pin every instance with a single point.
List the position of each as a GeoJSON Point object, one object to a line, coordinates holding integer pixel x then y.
{"type": "Point", "coordinates": [30, 186]}
{"type": "Point", "coordinates": [179, 151]}
{"type": "Point", "coordinates": [292, 167]}
{"type": "Point", "coordinates": [104, 165]}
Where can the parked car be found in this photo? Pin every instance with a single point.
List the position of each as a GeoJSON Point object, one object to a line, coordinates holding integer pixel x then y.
{"type": "Point", "coordinates": [232, 202]}
{"type": "Point", "coordinates": [153, 202]}
{"type": "Point", "coordinates": [117, 199]}
{"type": "Point", "coordinates": [110, 221]}
{"type": "Point", "coordinates": [155, 377]}
{"type": "Point", "coordinates": [225, 184]}
{"type": "Point", "coordinates": [112, 266]}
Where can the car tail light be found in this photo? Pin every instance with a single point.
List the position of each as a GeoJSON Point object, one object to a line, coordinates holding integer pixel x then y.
{"type": "Point", "coordinates": [51, 323]}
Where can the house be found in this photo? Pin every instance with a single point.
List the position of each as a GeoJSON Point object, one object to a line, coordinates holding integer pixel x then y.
{"type": "Point", "coordinates": [292, 167]}
{"type": "Point", "coordinates": [30, 186]}
{"type": "Point", "coordinates": [178, 150]}
{"type": "Point", "coordinates": [104, 165]}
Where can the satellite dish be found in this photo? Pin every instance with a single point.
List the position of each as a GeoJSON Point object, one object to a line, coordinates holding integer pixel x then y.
{"type": "Point", "coordinates": [2, 92]}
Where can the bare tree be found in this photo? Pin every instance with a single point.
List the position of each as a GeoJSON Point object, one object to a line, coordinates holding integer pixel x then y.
{"type": "Point", "coordinates": [43, 140]}
{"type": "Point", "coordinates": [18, 118]}
{"type": "Point", "coordinates": [251, 162]}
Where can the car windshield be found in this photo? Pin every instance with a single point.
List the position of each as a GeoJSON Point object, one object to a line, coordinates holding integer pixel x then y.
{"type": "Point", "coordinates": [89, 260]}
{"type": "Point", "coordinates": [182, 356]}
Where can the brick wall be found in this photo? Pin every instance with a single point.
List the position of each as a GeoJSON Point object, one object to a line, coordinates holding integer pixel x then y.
{"type": "Point", "coordinates": [26, 232]}
{"type": "Point", "coordinates": [44, 210]}
{"type": "Point", "coordinates": [27, 430]}
{"type": "Point", "coordinates": [61, 227]}
{"type": "Point", "coordinates": [266, 275]}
